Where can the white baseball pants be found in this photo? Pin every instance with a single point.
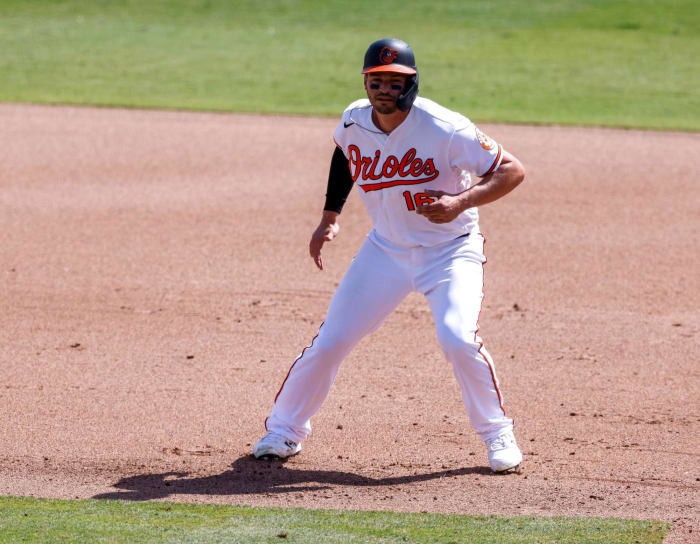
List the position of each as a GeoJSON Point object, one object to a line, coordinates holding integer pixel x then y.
{"type": "Point", "coordinates": [450, 276]}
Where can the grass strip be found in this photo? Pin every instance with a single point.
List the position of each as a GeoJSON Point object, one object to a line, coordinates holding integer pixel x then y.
{"type": "Point", "coordinates": [629, 63]}
{"type": "Point", "coordinates": [47, 520]}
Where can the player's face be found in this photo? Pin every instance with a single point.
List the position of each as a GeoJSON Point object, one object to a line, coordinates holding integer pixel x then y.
{"type": "Point", "coordinates": [383, 89]}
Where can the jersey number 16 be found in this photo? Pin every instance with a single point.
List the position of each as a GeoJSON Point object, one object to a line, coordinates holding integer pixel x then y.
{"type": "Point", "coordinates": [417, 200]}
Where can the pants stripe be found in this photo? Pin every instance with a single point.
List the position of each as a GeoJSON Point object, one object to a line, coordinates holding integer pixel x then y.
{"type": "Point", "coordinates": [295, 362]}
{"type": "Point", "coordinates": [489, 361]}
{"type": "Point", "coordinates": [484, 353]}
{"type": "Point", "coordinates": [291, 367]}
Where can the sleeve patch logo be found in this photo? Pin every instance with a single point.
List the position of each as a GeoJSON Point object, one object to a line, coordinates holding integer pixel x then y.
{"type": "Point", "coordinates": [387, 56]}
{"type": "Point", "coordinates": [487, 143]}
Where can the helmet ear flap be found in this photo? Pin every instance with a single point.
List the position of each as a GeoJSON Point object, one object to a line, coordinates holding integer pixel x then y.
{"type": "Point", "coordinates": [405, 101]}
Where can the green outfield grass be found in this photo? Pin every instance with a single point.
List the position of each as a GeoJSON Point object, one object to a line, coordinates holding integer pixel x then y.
{"type": "Point", "coordinates": [629, 63]}
{"type": "Point", "coordinates": [45, 521]}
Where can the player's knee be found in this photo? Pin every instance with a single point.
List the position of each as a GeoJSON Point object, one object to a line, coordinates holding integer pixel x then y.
{"type": "Point", "coordinates": [335, 342]}
{"type": "Point", "coordinates": [456, 343]}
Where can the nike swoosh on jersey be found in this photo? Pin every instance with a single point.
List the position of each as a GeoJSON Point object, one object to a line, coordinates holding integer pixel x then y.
{"type": "Point", "coordinates": [346, 125]}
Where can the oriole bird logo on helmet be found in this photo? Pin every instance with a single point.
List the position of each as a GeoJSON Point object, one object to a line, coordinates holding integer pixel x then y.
{"type": "Point", "coordinates": [387, 56]}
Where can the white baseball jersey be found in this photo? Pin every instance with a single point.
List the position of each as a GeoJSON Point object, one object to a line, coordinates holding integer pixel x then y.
{"type": "Point", "coordinates": [433, 148]}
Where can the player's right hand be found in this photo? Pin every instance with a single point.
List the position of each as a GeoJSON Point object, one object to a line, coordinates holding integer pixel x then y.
{"type": "Point", "coordinates": [325, 232]}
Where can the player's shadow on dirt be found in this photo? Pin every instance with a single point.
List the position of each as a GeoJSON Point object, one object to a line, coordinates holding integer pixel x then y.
{"type": "Point", "coordinates": [252, 476]}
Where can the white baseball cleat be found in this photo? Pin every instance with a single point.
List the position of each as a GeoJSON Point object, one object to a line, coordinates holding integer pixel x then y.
{"type": "Point", "coordinates": [504, 453]}
{"type": "Point", "coordinates": [275, 445]}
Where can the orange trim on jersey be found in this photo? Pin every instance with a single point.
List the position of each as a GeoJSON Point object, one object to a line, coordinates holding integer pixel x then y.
{"type": "Point", "coordinates": [396, 68]}
{"type": "Point", "coordinates": [484, 354]}
{"type": "Point", "coordinates": [494, 165]}
{"type": "Point", "coordinates": [295, 362]}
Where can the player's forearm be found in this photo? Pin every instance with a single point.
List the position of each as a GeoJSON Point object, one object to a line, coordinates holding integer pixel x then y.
{"type": "Point", "coordinates": [494, 186]}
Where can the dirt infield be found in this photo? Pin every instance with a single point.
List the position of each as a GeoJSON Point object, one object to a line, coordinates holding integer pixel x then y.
{"type": "Point", "coordinates": [156, 286]}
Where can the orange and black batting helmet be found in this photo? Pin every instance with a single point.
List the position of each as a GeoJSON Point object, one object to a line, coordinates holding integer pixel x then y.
{"type": "Point", "coordinates": [389, 55]}
{"type": "Point", "coordinates": [392, 55]}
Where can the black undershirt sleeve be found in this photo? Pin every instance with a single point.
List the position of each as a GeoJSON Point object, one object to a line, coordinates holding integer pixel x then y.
{"type": "Point", "coordinates": [339, 182]}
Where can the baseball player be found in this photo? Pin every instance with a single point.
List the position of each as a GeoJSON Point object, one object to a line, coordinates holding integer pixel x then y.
{"type": "Point", "coordinates": [421, 171]}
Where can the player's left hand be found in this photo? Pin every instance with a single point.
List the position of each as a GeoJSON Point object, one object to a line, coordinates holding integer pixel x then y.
{"type": "Point", "coordinates": [446, 208]}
